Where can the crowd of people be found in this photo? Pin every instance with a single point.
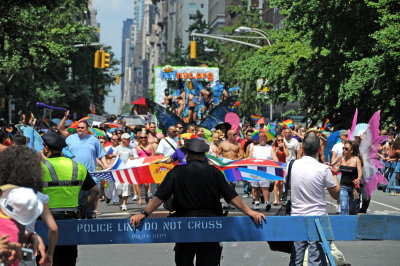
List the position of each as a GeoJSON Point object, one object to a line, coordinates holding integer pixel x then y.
{"type": "Point", "coordinates": [52, 186]}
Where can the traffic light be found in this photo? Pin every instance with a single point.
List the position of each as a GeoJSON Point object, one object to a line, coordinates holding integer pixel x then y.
{"type": "Point", "coordinates": [105, 60]}
{"type": "Point", "coordinates": [117, 79]}
{"type": "Point", "coordinates": [193, 45]}
{"type": "Point", "coordinates": [97, 58]}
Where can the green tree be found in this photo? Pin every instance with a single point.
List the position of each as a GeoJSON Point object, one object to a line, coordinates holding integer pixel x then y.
{"type": "Point", "coordinates": [177, 57]}
{"type": "Point", "coordinates": [40, 62]}
{"type": "Point", "coordinates": [209, 58]}
{"type": "Point", "coordinates": [332, 56]}
{"type": "Point", "coordinates": [232, 69]}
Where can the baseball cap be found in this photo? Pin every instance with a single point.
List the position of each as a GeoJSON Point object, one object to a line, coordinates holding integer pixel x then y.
{"type": "Point", "coordinates": [125, 136]}
{"type": "Point", "coordinates": [343, 132]}
{"type": "Point", "coordinates": [22, 205]}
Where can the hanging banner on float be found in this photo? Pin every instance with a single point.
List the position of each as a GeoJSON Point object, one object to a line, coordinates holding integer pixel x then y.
{"type": "Point", "coordinates": [186, 73]}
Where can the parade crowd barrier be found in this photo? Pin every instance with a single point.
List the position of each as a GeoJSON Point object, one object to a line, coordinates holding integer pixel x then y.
{"type": "Point", "coordinates": [391, 172]}
{"type": "Point", "coordinates": [225, 229]}
{"type": "Point", "coordinates": [228, 229]}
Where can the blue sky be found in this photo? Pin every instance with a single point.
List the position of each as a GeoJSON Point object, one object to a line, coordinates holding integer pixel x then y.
{"type": "Point", "coordinates": [110, 15]}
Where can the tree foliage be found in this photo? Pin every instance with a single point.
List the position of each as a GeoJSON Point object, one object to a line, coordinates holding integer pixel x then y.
{"type": "Point", "coordinates": [39, 61]}
{"type": "Point", "coordinates": [333, 56]}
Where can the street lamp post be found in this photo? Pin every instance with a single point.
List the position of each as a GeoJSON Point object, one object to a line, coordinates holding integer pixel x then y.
{"type": "Point", "coordinates": [194, 34]}
{"type": "Point", "coordinates": [258, 31]}
{"type": "Point", "coordinates": [265, 35]}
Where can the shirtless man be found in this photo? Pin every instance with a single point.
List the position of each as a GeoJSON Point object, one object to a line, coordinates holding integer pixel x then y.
{"type": "Point", "coordinates": [154, 137]}
{"type": "Point", "coordinates": [168, 101]}
{"type": "Point", "coordinates": [230, 149]}
{"type": "Point", "coordinates": [207, 96]}
{"type": "Point", "coordinates": [181, 102]}
{"type": "Point", "coordinates": [192, 114]}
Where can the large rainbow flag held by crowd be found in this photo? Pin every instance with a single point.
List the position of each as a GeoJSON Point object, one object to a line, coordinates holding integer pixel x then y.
{"type": "Point", "coordinates": [153, 169]}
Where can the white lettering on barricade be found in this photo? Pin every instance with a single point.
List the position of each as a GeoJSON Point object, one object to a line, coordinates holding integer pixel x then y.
{"type": "Point", "coordinates": [193, 225]}
{"type": "Point", "coordinates": [94, 228]}
{"type": "Point", "coordinates": [172, 225]}
{"type": "Point", "coordinates": [125, 227]}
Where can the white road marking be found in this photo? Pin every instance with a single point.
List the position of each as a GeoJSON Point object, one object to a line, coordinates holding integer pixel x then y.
{"type": "Point", "coordinates": [375, 212]}
{"type": "Point", "coordinates": [397, 209]}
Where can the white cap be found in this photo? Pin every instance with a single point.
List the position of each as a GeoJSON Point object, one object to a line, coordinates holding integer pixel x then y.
{"type": "Point", "coordinates": [125, 136]}
{"type": "Point", "coordinates": [22, 205]}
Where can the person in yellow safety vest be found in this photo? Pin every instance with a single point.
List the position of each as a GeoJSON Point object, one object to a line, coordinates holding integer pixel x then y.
{"type": "Point", "coordinates": [62, 181]}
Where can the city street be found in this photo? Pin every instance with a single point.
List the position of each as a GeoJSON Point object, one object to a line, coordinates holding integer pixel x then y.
{"type": "Point", "coordinates": [243, 253]}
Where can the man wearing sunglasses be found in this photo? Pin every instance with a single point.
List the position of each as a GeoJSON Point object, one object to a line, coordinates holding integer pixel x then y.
{"type": "Point", "coordinates": [86, 148]}
{"type": "Point", "coordinates": [168, 145]}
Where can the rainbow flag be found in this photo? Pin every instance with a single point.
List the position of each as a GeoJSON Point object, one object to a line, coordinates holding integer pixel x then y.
{"type": "Point", "coordinates": [86, 118]}
{"type": "Point", "coordinates": [327, 123]}
{"type": "Point", "coordinates": [232, 174]}
{"type": "Point", "coordinates": [289, 123]}
{"type": "Point", "coordinates": [255, 117]}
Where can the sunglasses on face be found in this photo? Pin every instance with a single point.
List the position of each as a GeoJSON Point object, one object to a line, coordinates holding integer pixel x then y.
{"type": "Point", "coordinates": [346, 149]}
{"type": "Point", "coordinates": [81, 127]}
{"type": "Point", "coordinates": [174, 131]}
{"type": "Point", "coordinates": [280, 140]}
{"type": "Point", "coordinates": [180, 127]}
{"type": "Point", "coordinates": [114, 139]}
{"type": "Point", "coordinates": [143, 138]}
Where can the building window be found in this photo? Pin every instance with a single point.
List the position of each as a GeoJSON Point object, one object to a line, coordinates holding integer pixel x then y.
{"type": "Point", "coordinates": [202, 5]}
{"type": "Point", "coordinates": [192, 7]}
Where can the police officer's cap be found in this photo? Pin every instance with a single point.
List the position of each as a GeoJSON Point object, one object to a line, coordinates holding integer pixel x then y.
{"type": "Point", "coordinates": [196, 146]}
{"type": "Point", "coordinates": [54, 141]}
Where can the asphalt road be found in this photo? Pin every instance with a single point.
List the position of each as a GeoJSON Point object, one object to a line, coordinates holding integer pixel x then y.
{"type": "Point", "coordinates": [380, 253]}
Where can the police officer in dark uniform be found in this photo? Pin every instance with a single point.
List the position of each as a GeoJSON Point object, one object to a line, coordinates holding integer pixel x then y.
{"type": "Point", "coordinates": [62, 181]}
{"type": "Point", "coordinates": [196, 189]}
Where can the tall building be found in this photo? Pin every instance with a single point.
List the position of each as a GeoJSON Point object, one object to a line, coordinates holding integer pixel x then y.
{"type": "Point", "coordinates": [184, 9]}
{"type": "Point", "coordinates": [125, 57]}
{"type": "Point", "coordinates": [216, 15]}
{"type": "Point", "coordinates": [170, 26]}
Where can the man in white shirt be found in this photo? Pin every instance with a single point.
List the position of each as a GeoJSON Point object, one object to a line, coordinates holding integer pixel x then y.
{"type": "Point", "coordinates": [337, 149]}
{"type": "Point", "coordinates": [292, 144]}
{"type": "Point", "coordinates": [261, 151]}
{"type": "Point", "coordinates": [111, 192]}
{"type": "Point", "coordinates": [169, 144]}
{"type": "Point", "coordinates": [308, 181]}
{"type": "Point", "coordinates": [125, 153]}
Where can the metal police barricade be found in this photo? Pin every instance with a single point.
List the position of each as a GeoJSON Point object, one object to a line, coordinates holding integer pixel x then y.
{"type": "Point", "coordinates": [392, 185]}
{"type": "Point", "coordinates": [227, 229]}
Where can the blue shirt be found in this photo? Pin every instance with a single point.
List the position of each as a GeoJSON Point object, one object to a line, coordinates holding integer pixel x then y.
{"type": "Point", "coordinates": [85, 150]}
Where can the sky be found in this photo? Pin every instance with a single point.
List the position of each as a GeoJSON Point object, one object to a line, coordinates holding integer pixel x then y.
{"type": "Point", "coordinates": [110, 15]}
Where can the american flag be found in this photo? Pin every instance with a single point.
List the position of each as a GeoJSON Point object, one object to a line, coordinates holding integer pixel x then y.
{"type": "Point", "coordinates": [117, 173]}
{"type": "Point", "coordinates": [92, 108]}
{"type": "Point", "coordinates": [119, 176]}
{"type": "Point", "coordinates": [103, 176]}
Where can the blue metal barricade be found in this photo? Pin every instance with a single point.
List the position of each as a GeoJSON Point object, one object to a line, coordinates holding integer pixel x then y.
{"type": "Point", "coordinates": [393, 172]}
{"type": "Point", "coordinates": [227, 229]}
